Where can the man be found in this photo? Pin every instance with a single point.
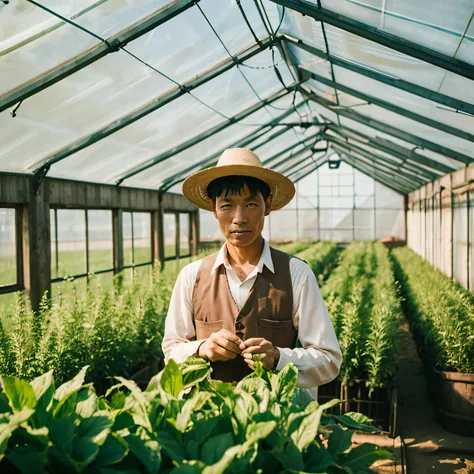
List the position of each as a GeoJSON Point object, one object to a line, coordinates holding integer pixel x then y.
{"type": "Point", "coordinates": [249, 298]}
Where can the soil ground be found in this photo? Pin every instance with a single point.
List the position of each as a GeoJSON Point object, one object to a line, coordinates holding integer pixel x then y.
{"type": "Point", "coordinates": [425, 446]}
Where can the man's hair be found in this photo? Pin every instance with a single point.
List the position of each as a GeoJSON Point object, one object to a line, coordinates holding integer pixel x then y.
{"type": "Point", "coordinates": [232, 185]}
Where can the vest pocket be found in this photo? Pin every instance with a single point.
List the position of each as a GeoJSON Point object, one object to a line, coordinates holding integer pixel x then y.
{"type": "Point", "coordinates": [277, 332]}
{"type": "Point", "coordinates": [204, 329]}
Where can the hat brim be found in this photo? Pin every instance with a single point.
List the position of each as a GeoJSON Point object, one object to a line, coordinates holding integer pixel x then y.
{"type": "Point", "coordinates": [195, 186]}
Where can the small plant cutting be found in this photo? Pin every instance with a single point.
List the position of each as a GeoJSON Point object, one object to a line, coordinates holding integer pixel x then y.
{"type": "Point", "coordinates": [184, 422]}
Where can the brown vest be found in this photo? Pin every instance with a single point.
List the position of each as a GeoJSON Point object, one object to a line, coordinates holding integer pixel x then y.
{"type": "Point", "coordinates": [266, 313]}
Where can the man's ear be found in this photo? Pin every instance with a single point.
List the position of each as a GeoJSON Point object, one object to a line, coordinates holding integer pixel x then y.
{"type": "Point", "coordinates": [268, 204]}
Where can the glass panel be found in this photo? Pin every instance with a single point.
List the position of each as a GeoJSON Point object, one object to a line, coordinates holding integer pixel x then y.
{"type": "Point", "coordinates": [364, 224]}
{"type": "Point", "coordinates": [169, 226]}
{"type": "Point", "coordinates": [141, 237]}
{"type": "Point", "coordinates": [54, 248]}
{"type": "Point", "coordinates": [8, 252]}
{"type": "Point", "coordinates": [460, 236]}
{"type": "Point", "coordinates": [71, 242]}
{"type": "Point", "coordinates": [308, 224]}
{"type": "Point", "coordinates": [390, 223]}
{"type": "Point", "coordinates": [208, 227]}
{"type": "Point", "coordinates": [184, 234]}
{"type": "Point", "coordinates": [7, 304]}
{"type": "Point", "coordinates": [127, 238]}
{"type": "Point", "coordinates": [282, 225]}
{"type": "Point", "coordinates": [100, 240]}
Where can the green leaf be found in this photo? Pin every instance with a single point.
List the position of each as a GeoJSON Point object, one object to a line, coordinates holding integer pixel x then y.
{"type": "Point", "coordinates": [84, 451]}
{"type": "Point", "coordinates": [27, 460]}
{"type": "Point", "coordinates": [146, 450]}
{"type": "Point", "coordinates": [139, 405]}
{"type": "Point", "coordinates": [215, 447]}
{"type": "Point", "coordinates": [61, 432]}
{"type": "Point", "coordinates": [9, 424]}
{"type": "Point", "coordinates": [188, 467]}
{"type": "Point", "coordinates": [317, 458]}
{"type": "Point", "coordinates": [171, 379]}
{"type": "Point", "coordinates": [258, 431]}
{"type": "Point", "coordinates": [20, 393]}
{"type": "Point", "coordinates": [114, 449]}
{"type": "Point", "coordinates": [173, 448]}
{"type": "Point", "coordinates": [87, 402]}
{"type": "Point", "coordinates": [286, 383]}
{"type": "Point", "coordinates": [360, 458]}
{"type": "Point", "coordinates": [194, 404]}
{"type": "Point", "coordinates": [43, 386]}
{"type": "Point", "coordinates": [71, 386]}
{"type": "Point", "coordinates": [4, 405]}
{"type": "Point", "coordinates": [290, 457]}
{"type": "Point", "coordinates": [339, 441]}
{"type": "Point", "coordinates": [194, 370]}
{"type": "Point", "coordinates": [60, 463]}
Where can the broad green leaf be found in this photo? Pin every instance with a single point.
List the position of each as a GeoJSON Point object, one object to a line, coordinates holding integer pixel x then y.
{"type": "Point", "coordinates": [44, 386]}
{"type": "Point", "coordinates": [37, 438]}
{"type": "Point", "coordinates": [19, 392]}
{"type": "Point", "coordinates": [350, 423]}
{"type": "Point", "coordinates": [215, 447]}
{"type": "Point", "coordinates": [84, 451]}
{"type": "Point", "coordinates": [291, 457]}
{"type": "Point", "coordinates": [202, 428]}
{"type": "Point", "coordinates": [317, 459]}
{"type": "Point", "coordinates": [146, 450]}
{"type": "Point", "coordinates": [87, 402]}
{"type": "Point", "coordinates": [221, 466]}
{"type": "Point", "coordinates": [139, 411]}
{"type": "Point", "coordinates": [67, 405]}
{"type": "Point", "coordinates": [9, 424]}
{"type": "Point", "coordinates": [307, 430]}
{"type": "Point", "coordinates": [60, 463]}
{"type": "Point", "coordinates": [114, 449]}
{"type": "Point", "coordinates": [27, 461]}
{"type": "Point", "coordinates": [194, 370]}
{"type": "Point", "coordinates": [95, 428]}
{"type": "Point", "coordinates": [188, 467]}
{"type": "Point", "coordinates": [360, 458]}
{"type": "Point", "coordinates": [61, 432]}
{"type": "Point", "coordinates": [244, 407]}
{"type": "Point", "coordinates": [4, 405]}
{"type": "Point", "coordinates": [193, 404]}
{"type": "Point", "coordinates": [286, 383]}
{"type": "Point", "coordinates": [223, 389]}
{"type": "Point", "coordinates": [171, 379]}
{"type": "Point", "coordinates": [339, 441]}
{"type": "Point", "coordinates": [258, 431]}
{"type": "Point", "coordinates": [71, 386]}
{"type": "Point", "coordinates": [173, 448]}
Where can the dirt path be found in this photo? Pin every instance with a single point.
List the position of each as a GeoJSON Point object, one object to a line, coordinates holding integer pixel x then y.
{"type": "Point", "coordinates": [429, 448]}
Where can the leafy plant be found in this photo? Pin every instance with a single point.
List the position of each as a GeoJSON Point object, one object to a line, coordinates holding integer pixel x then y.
{"type": "Point", "coordinates": [184, 422]}
{"type": "Point", "coordinates": [441, 312]}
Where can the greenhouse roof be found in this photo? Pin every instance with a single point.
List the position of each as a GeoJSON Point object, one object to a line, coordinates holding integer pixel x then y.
{"type": "Point", "coordinates": [143, 93]}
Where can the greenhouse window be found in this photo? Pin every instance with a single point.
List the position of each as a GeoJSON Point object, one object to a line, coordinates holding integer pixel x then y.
{"type": "Point", "coordinates": [136, 239]}
{"type": "Point", "coordinates": [10, 250]}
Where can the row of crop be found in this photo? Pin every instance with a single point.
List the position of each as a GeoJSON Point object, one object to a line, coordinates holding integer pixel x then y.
{"type": "Point", "coordinates": [321, 257]}
{"type": "Point", "coordinates": [362, 300]}
{"type": "Point", "coordinates": [113, 331]}
{"type": "Point", "coordinates": [441, 312]}
{"type": "Point", "coordinates": [184, 423]}
{"type": "Point", "coordinates": [294, 247]}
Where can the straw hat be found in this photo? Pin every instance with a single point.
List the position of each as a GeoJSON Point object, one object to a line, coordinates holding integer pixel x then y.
{"type": "Point", "coordinates": [241, 162]}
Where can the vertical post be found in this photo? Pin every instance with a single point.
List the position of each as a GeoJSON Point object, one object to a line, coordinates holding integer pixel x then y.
{"type": "Point", "coordinates": [353, 204]}
{"type": "Point", "coordinates": [36, 235]}
{"type": "Point", "coordinates": [86, 222]}
{"type": "Point", "coordinates": [160, 230]}
{"type": "Point", "coordinates": [432, 225]}
{"type": "Point", "coordinates": [177, 241]}
{"type": "Point", "coordinates": [318, 207]}
{"type": "Point", "coordinates": [451, 200]}
{"type": "Point", "coordinates": [56, 237]}
{"type": "Point", "coordinates": [117, 229]}
{"type": "Point", "coordinates": [468, 260]}
{"type": "Point", "coordinates": [297, 214]}
{"type": "Point", "coordinates": [19, 247]}
{"type": "Point", "coordinates": [375, 210]}
{"type": "Point", "coordinates": [405, 204]}
{"type": "Point", "coordinates": [155, 235]}
{"type": "Point", "coordinates": [425, 250]}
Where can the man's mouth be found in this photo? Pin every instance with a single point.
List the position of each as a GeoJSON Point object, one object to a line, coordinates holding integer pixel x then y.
{"type": "Point", "coordinates": [240, 232]}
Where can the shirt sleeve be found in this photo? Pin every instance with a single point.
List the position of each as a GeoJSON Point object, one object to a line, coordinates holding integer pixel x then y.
{"type": "Point", "coordinates": [179, 339]}
{"type": "Point", "coordinates": [319, 359]}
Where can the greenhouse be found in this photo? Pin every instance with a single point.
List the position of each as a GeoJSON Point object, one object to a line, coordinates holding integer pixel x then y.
{"type": "Point", "coordinates": [342, 131]}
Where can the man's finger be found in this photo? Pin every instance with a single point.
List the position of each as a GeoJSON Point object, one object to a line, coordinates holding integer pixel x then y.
{"type": "Point", "coordinates": [253, 350]}
{"type": "Point", "coordinates": [226, 344]}
{"type": "Point", "coordinates": [253, 341]}
{"type": "Point", "coordinates": [229, 336]}
{"type": "Point", "coordinates": [249, 355]}
{"type": "Point", "coordinates": [216, 349]}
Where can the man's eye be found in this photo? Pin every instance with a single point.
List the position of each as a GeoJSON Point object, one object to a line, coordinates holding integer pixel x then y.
{"type": "Point", "coordinates": [225, 205]}
{"type": "Point", "coordinates": [252, 204]}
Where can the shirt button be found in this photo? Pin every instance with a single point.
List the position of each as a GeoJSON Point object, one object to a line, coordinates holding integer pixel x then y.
{"type": "Point", "coordinates": [239, 326]}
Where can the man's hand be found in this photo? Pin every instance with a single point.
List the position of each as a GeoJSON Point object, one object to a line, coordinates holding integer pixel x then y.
{"type": "Point", "coordinates": [220, 346]}
{"type": "Point", "coordinates": [269, 354]}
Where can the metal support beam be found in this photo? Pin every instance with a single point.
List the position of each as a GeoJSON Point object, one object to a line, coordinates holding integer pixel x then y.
{"type": "Point", "coordinates": [112, 44]}
{"type": "Point", "coordinates": [370, 161]}
{"type": "Point", "coordinates": [389, 130]}
{"type": "Point", "coordinates": [382, 178]}
{"type": "Point", "coordinates": [392, 107]}
{"type": "Point", "coordinates": [302, 164]}
{"type": "Point", "coordinates": [396, 151]}
{"type": "Point", "coordinates": [148, 108]}
{"type": "Point", "coordinates": [204, 135]}
{"type": "Point", "coordinates": [312, 170]}
{"type": "Point", "coordinates": [371, 155]}
{"type": "Point", "coordinates": [383, 38]}
{"type": "Point", "coordinates": [398, 83]}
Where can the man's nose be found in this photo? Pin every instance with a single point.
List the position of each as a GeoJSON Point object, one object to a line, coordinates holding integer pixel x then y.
{"type": "Point", "coordinates": [240, 216]}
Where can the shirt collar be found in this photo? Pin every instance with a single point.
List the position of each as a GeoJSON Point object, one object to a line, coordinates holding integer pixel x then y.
{"type": "Point", "coordinates": [265, 259]}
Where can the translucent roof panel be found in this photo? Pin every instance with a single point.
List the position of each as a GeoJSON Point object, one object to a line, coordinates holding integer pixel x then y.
{"type": "Point", "coordinates": [420, 22]}
{"type": "Point", "coordinates": [41, 41]}
{"type": "Point", "coordinates": [466, 49]}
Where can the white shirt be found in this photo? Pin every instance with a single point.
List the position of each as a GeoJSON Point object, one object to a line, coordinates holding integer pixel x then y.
{"type": "Point", "coordinates": [318, 360]}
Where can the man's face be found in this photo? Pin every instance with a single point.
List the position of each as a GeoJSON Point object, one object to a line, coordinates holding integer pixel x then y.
{"type": "Point", "coordinates": [241, 216]}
